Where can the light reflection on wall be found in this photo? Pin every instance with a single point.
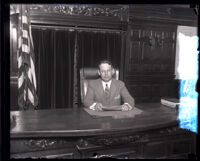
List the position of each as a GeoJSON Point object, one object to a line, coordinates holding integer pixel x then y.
{"type": "Point", "coordinates": [188, 75]}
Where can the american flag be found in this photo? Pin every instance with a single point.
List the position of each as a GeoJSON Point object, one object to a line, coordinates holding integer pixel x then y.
{"type": "Point", "coordinates": [27, 98]}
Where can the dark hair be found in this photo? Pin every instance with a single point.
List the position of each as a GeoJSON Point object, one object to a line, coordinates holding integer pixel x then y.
{"type": "Point", "coordinates": [105, 62]}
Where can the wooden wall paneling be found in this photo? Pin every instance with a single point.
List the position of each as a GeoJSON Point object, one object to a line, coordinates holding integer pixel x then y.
{"type": "Point", "coordinates": [13, 51]}
{"type": "Point", "coordinates": [168, 14]}
{"type": "Point", "coordinates": [13, 44]}
{"type": "Point", "coordinates": [134, 52]}
{"type": "Point", "coordinates": [157, 53]}
{"type": "Point", "coordinates": [13, 62]}
{"type": "Point", "coordinates": [134, 90]}
{"type": "Point", "coordinates": [150, 60]}
{"type": "Point", "coordinates": [146, 91]}
{"type": "Point", "coordinates": [123, 50]}
{"type": "Point", "coordinates": [14, 93]}
{"type": "Point", "coordinates": [132, 68]}
{"type": "Point", "coordinates": [127, 54]}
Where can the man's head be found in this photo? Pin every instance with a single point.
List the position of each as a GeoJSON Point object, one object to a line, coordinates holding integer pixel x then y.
{"type": "Point", "coordinates": [106, 70]}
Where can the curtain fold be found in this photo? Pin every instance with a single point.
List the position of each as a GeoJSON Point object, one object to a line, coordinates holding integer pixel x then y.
{"type": "Point", "coordinates": [76, 73]}
{"type": "Point", "coordinates": [44, 49]}
{"type": "Point", "coordinates": [64, 68]}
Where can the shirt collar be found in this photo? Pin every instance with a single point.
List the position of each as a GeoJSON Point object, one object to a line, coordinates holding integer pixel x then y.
{"type": "Point", "coordinates": [109, 83]}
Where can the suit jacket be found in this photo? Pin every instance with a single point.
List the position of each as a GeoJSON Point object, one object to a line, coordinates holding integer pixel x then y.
{"type": "Point", "coordinates": [118, 93]}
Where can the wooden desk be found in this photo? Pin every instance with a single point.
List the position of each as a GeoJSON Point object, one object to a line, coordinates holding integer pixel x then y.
{"type": "Point", "coordinates": [73, 133]}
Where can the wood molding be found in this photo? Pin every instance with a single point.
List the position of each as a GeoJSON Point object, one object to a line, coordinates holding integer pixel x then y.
{"type": "Point", "coordinates": [115, 11]}
{"type": "Point", "coordinates": [13, 79]}
{"type": "Point", "coordinates": [97, 16]}
{"type": "Point", "coordinates": [170, 14]}
{"type": "Point", "coordinates": [77, 21]}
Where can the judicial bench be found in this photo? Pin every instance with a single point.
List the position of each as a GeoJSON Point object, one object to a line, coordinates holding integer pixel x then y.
{"type": "Point", "coordinates": [73, 133]}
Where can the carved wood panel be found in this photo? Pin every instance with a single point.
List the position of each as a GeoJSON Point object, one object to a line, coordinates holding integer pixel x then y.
{"type": "Point", "coordinates": [157, 47]}
{"type": "Point", "coordinates": [114, 11]}
{"type": "Point", "coordinates": [13, 44]}
{"type": "Point", "coordinates": [150, 61]}
{"type": "Point", "coordinates": [134, 52]}
{"type": "Point", "coordinates": [169, 14]}
{"type": "Point", "coordinates": [41, 144]}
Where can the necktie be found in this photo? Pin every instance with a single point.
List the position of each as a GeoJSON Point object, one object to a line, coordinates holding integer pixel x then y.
{"type": "Point", "coordinates": [107, 90]}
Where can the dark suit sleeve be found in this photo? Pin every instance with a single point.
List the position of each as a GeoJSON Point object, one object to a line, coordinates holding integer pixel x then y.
{"type": "Point", "coordinates": [127, 98]}
{"type": "Point", "coordinates": [89, 98]}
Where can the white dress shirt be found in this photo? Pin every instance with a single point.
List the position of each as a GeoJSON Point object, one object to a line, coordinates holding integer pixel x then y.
{"type": "Point", "coordinates": [104, 84]}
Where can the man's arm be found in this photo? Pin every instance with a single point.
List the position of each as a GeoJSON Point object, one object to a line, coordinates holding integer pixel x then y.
{"type": "Point", "coordinates": [89, 98]}
{"type": "Point", "coordinates": [127, 98]}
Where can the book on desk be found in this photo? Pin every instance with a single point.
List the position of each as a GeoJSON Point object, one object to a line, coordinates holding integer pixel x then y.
{"type": "Point", "coordinates": [170, 102]}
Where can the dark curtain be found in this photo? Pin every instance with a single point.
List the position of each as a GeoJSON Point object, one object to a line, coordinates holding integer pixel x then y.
{"type": "Point", "coordinates": [64, 51]}
{"type": "Point", "coordinates": [43, 40]}
{"type": "Point", "coordinates": [97, 46]}
{"type": "Point", "coordinates": [54, 51]}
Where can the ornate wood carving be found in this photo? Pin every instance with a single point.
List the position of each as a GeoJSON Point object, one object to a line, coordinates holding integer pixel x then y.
{"type": "Point", "coordinates": [152, 50]}
{"type": "Point", "coordinates": [174, 14]}
{"type": "Point", "coordinates": [169, 130]}
{"type": "Point", "coordinates": [110, 140]}
{"type": "Point", "coordinates": [127, 139]}
{"type": "Point", "coordinates": [150, 60]}
{"type": "Point", "coordinates": [44, 143]}
{"type": "Point", "coordinates": [83, 10]}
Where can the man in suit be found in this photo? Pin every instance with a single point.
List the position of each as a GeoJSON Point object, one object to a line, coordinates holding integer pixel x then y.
{"type": "Point", "coordinates": [107, 91]}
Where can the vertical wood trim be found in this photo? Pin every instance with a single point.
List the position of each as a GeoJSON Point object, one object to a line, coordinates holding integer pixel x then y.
{"type": "Point", "coordinates": [174, 51]}
{"type": "Point", "coordinates": [123, 51]}
{"type": "Point", "coordinates": [126, 52]}
{"type": "Point", "coordinates": [75, 69]}
{"type": "Point", "coordinates": [54, 73]}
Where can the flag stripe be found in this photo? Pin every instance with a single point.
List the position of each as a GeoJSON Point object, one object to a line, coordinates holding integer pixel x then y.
{"type": "Point", "coordinates": [19, 41]}
{"type": "Point", "coordinates": [25, 34]}
{"type": "Point", "coordinates": [25, 27]}
{"type": "Point", "coordinates": [30, 96]}
{"type": "Point", "coordinates": [19, 61]}
{"type": "Point", "coordinates": [25, 41]}
{"type": "Point", "coordinates": [20, 80]}
{"type": "Point", "coordinates": [33, 71]}
{"type": "Point", "coordinates": [24, 19]}
{"type": "Point", "coordinates": [25, 48]}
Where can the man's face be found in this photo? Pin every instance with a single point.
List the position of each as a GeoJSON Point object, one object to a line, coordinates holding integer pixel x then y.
{"type": "Point", "coordinates": [105, 71]}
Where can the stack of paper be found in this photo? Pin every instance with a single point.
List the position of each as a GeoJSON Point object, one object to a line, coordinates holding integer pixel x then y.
{"type": "Point", "coordinates": [170, 102]}
{"type": "Point", "coordinates": [115, 112]}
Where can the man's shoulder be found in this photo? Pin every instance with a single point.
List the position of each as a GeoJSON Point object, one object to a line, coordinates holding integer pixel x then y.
{"type": "Point", "coordinates": [118, 82]}
{"type": "Point", "coordinates": [94, 81]}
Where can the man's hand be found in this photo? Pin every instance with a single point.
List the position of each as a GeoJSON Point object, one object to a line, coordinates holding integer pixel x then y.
{"type": "Point", "coordinates": [98, 107]}
{"type": "Point", "coordinates": [126, 107]}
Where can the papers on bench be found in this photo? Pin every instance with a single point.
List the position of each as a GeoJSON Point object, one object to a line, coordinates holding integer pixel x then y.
{"type": "Point", "coordinates": [115, 112]}
{"type": "Point", "coordinates": [112, 108]}
{"type": "Point", "coordinates": [170, 102]}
